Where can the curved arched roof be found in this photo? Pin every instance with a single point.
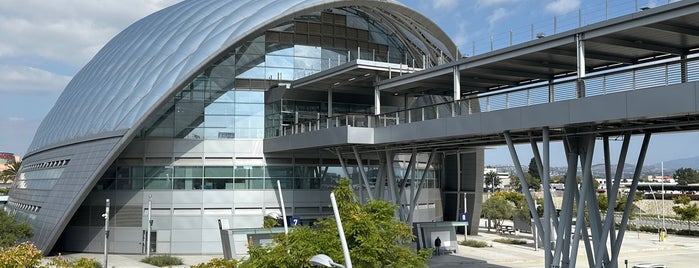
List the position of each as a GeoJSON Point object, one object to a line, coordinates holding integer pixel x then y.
{"type": "Point", "coordinates": [154, 57]}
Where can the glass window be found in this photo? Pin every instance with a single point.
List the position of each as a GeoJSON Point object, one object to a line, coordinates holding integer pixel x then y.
{"type": "Point", "coordinates": [280, 172]}
{"type": "Point", "coordinates": [218, 184]}
{"type": "Point", "coordinates": [187, 184]}
{"type": "Point", "coordinates": [157, 171]}
{"type": "Point", "coordinates": [220, 108]}
{"type": "Point", "coordinates": [249, 109]}
{"type": "Point", "coordinates": [279, 61]}
{"type": "Point", "coordinates": [220, 121]}
{"type": "Point", "coordinates": [279, 73]}
{"type": "Point", "coordinates": [158, 184]}
{"type": "Point", "coordinates": [188, 172]}
{"type": "Point", "coordinates": [218, 172]}
{"type": "Point", "coordinates": [250, 96]}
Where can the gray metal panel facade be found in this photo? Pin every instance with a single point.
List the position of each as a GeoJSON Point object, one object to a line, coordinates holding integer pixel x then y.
{"type": "Point", "coordinates": [59, 203]}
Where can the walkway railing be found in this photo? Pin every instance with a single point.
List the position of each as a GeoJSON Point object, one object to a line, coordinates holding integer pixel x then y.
{"type": "Point", "coordinates": [653, 74]}
{"type": "Point", "coordinates": [557, 24]}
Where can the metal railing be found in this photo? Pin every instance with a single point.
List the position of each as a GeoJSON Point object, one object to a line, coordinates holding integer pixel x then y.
{"type": "Point", "coordinates": [653, 74]}
{"type": "Point", "coordinates": [558, 24]}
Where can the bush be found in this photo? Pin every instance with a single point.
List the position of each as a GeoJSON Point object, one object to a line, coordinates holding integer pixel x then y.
{"type": "Point", "coordinates": [60, 262]}
{"type": "Point", "coordinates": [269, 222]}
{"type": "Point", "coordinates": [217, 263]}
{"type": "Point", "coordinates": [12, 231]}
{"type": "Point", "coordinates": [22, 255]}
{"type": "Point", "coordinates": [511, 241]}
{"type": "Point", "coordinates": [162, 260]}
{"type": "Point", "coordinates": [474, 243]}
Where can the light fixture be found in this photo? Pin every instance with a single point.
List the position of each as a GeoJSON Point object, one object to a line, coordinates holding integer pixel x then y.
{"type": "Point", "coordinates": [324, 261]}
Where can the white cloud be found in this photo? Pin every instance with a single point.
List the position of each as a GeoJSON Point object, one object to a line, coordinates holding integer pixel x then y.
{"type": "Point", "coordinates": [560, 7]}
{"type": "Point", "coordinates": [496, 15]}
{"type": "Point", "coordinates": [444, 4]}
{"type": "Point", "coordinates": [486, 3]}
{"type": "Point", "coordinates": [22, 79]}
{"type": "Point", "coordinates": [69, 31]}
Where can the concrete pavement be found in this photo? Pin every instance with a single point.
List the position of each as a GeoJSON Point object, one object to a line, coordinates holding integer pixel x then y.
{"type": "Point", "coordinates": [676, 251]}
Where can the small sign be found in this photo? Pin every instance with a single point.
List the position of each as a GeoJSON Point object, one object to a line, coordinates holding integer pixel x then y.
{"type": "Point", "coordinates": [295, 221]}
{"type": "Point", "coordinates": [463, 216]}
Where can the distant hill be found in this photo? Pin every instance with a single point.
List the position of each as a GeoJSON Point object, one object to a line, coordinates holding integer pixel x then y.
{"type": "Point", "coordinates": [650, 169]}
{"type": "Point", "coordinates": [691, 162]}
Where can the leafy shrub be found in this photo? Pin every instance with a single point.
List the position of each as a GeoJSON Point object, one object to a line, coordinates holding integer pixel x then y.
{"type": "Point", "coordinates": [22, 255]}
{"type": "Point", "coordinates": [217, 263]}
{"type": "Point", "coordinates": [60, 262]}
{"type": "Point", "coordinates": [474, 243]}
{"type": "Point", "coordinates": [511, 241]}
{"type": "Point", "coordinates": [12, 231]}
{"type": "Point", "coordinates": [269, 222]}
{"type": "Point", "coordinates": [162, 260]}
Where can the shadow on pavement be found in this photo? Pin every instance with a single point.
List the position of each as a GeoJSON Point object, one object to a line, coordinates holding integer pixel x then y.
{"type": "Point", "coordinates": [450, 260]}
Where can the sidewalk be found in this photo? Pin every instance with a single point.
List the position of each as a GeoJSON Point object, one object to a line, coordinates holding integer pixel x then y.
{"type": "Point", "coordinates": [676, 251]}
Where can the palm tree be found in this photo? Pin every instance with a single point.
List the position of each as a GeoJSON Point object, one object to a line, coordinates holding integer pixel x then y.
{"type": "Point", "coordinates": [11, 171]}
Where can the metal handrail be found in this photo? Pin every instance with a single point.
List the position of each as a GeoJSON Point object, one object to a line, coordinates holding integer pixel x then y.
{"type": "Point", "coordinates": [659, 73]}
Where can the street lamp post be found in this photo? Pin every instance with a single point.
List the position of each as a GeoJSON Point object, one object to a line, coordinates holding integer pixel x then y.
{"type": "Point", "coordinates": [325, 261]}
{"type": "Point", "coordinates": [150, 224]}
{"type": "Point", "coordinates": [662, 186]}
{"type": "Point", "coordinates": [345, 249]}
{"type": "Point", "coordinates": [106, 234]}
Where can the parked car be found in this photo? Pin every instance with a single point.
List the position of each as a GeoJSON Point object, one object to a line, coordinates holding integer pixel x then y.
{"type": "Point", "coordinates": [650, 265]}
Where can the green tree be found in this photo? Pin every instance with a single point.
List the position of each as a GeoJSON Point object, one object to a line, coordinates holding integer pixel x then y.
{"type": "Point", "coordinates": [374, 236]}
{"type": "Point", "coordinates": [12, 232]}
{"type": "Point", "coordinates": [534, 183]}
{"type": "Point", "coordinates": [603, 202]}
{"type": "Point", "coordinates": [492, 180]}
{"type": "Point", "coordinates": [497, 208]}
{"type": "Point", "coordinates": [687, 211]}
{"type": "Point", "coordinates": [521, 209]}
{"type": "Point", "coordinates": [10, 172]}
{"type": "Point", "coordinates": [534, 169]}
{"type": "Point", "coordinates": [685, 176]}
{"type": "Point", "coordinates": [620, 205]}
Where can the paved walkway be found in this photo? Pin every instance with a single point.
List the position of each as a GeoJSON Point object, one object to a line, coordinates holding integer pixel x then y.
{"type": "Point", "coordinates": [676, 251]}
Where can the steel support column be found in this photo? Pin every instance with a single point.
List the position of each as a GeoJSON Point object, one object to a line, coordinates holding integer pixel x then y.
{"type": "Point", "coordinates": [629, 201]}
{"type": "Point", "coordinates": [377, 98]}
{"type": "Point", "coordinates": [381, 177]}
{"type": "Point", "coordinates": [525, 187]}
{"type": "Point", "coordinates": [391, 177]}
{"type": "Point", "coordinates": [342, 162]}
{"type": "Point", "coordinates": [413, 203]}
{"type": "Point", "coordinates": [457, 89]}
{"type": "Point", "coordinates": [401, 194]}
{"type": "Point", "coordinates": [362, 173]}
{"type": "Point", "coordinates": [580, 54]}
{"type": "Point", "coordinates": [566, 217]}
{"type": "Point", "coordinates": [543, 167]}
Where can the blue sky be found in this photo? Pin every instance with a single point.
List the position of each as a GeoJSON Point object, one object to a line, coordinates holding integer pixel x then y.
{"type": "Point", "coordinates": [44, 43]}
